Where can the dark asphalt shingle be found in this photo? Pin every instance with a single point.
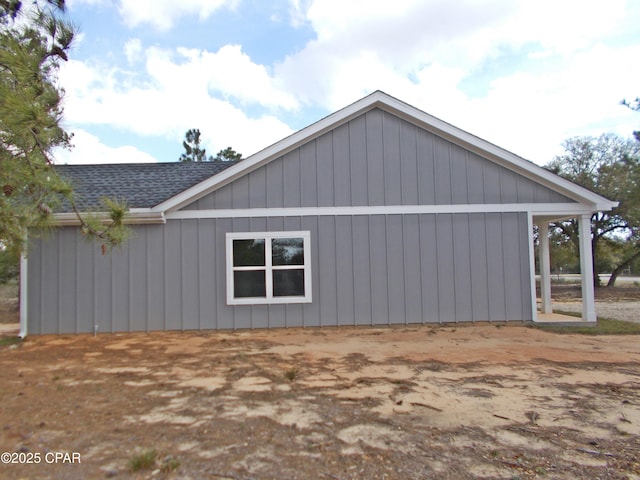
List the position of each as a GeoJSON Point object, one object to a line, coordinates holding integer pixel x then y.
{"type": "Point", "coordinates": [140, 185]}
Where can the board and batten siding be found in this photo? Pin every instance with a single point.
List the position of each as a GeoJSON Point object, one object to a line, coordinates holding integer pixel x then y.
{"type": "Point", "coordinates": [373, 160]}
{"type": "Point", "coordinates": [366, 270]}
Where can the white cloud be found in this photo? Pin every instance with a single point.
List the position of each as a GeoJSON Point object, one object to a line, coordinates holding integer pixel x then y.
{"type": "Point", "coordinates": [89, 149]}
{"type": "Point", "coordinates": [298, 11]}
{"type": "Point", "coordinates": [133, 50]}
{"type": "Point", "coordinates": [163, 13]}
{"type": "Point", "coordinates": [532, 113]}
{"type": "Point", "coordinates": [406, 35]}
{"type": "Point", "coordinates": [564, 27]}
{"type": "Point", "coordinates": [524, 75]}
{"type": "Point", "coordinates": [387, 40]}
{"type": "Point", "coordinates": [75, 3]}
{"type": "Point", "coordinates": [544, 73]}
{"type": "Point", "coordinates": [176, 94]}
{"type": "Point", "coordinates": [229, 71]}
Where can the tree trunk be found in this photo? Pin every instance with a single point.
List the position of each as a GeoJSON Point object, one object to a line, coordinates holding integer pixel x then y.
{"type": "Point", "coordinates": [618, 270]}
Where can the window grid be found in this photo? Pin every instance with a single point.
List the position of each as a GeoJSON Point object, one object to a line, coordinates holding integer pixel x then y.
{"type": "Point", "coordinates": [268, 268]}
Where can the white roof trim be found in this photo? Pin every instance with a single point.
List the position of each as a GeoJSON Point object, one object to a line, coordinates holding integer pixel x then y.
{"type": "Point", "coordinates": [409, 113]}
{"type": "Point", "coordinates": [537, 209]}
{"type": "Point", "coordinates": [134, 216]}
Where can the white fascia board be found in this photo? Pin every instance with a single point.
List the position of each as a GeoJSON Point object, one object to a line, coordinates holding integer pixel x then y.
{"type": "Point", "coordinates": [409, 113]}
{"type": "Point", "coordinates": [550, 209]}
{"type": "Point", "coordinates": [135, 216]}
{"type": "Point", "coordinates": [539, 219]}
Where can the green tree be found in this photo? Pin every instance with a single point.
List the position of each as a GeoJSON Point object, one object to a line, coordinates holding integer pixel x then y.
{"type": "Point", "coordinates": [610, 166]}
{"type": "Point", "coordinates": [228, 155]}
{"type": "Point", "coordinates": [193, 152]}
{"type": "Point", "coordinates": [9, 266]}
{"type": "Point", "coordinates": [33, 41]}
{"type": "Point", "coordinates": [564, 258]}
{"type": "Point", "coordinates": [635, 106]}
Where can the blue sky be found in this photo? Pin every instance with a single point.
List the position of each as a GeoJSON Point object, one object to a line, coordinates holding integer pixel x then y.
{"type": "Point", "coordinates": [524, 75]}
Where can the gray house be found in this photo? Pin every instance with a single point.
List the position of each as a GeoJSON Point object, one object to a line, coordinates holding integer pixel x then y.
{"type": "Point", "coordinates": [377, 214]}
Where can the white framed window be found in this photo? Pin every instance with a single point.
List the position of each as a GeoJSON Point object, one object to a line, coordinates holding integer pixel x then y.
{"type": "Point", "coordinates": [268, 267]}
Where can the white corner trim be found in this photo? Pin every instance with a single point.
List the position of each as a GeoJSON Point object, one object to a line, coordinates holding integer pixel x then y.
{"type": "Point", "coordinates": [567, 209]}
{"type": "Point", "coordinates": [23, 296]}
{"type": "Point", "coordinates": [138, 216]}
{"type": "Point", "coordinates": [532, 269]}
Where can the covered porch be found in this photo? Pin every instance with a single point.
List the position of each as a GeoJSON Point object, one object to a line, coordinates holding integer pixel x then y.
{"type": "Point", "coordinates": [545, 313]}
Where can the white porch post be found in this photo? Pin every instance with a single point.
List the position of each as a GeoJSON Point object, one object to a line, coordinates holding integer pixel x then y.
{"type": "Point", "coordinates": [23, 295]}
{"type": "Point", "coordinates": [586, 269]}
{"type": "Point", "coordinates": [545, 268]}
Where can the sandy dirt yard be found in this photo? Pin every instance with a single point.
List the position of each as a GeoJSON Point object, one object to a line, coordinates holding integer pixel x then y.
{"type": "Point", "coordinates": [619, 303]}
{"type": "Point", "coordinates": [444, 402]}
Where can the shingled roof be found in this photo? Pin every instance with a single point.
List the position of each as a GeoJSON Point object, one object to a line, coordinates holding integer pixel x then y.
{"type": "Point", "coordinates": [140, 185]}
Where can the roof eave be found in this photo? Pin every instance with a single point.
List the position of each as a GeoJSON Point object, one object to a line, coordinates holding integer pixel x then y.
{"type": "Point", "coordinates": [135, 216]}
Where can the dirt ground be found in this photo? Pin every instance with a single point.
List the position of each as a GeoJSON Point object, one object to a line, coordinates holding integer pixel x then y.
{"type": "Point", "coordinates": [444, 402]}
{"type": "Point", "coordinates": [619, 303]}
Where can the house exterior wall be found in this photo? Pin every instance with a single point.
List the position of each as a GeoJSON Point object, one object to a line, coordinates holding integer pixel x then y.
{"type": "Point", "coordinates": [366, 270]}
{"type": "Point", "coordinates": [377, 159]}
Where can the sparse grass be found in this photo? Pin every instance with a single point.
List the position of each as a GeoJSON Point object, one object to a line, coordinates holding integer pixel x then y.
{"type": "Point", "coordinates": [169, 464]}
{"type": "Point", "coordinates": [532, 416]}
{"type": "Point", "coordinates": [148, 459]}
{"type": "Point", "coordinates": [291, 374]}
{"type": "Point", "coordinates": [143, 460]}
{"type": "Point", "coordinates": [605, 326]}
{"type": "Point", "coordinates": [6, 341]}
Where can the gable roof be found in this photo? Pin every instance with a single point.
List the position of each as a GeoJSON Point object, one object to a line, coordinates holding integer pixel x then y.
{"type": "Point", "coordinates": [140, 185]}
{"type": "Point", "coordinates": [153, 190]}
{"type": "Point", "coordinates": [409, 113]}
